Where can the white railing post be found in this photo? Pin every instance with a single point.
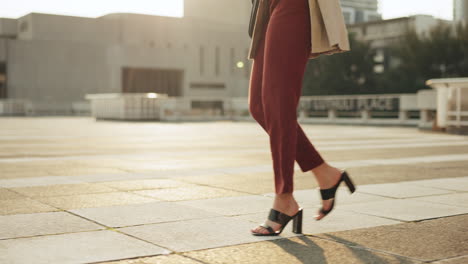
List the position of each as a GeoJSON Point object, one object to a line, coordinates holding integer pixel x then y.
{"type": "Point", "coordinates": [365, 115]}
{"type": "Point", "coordinates": [450, 103]}
{"type": "Point", "coordinates": [331, 114]}
{"type": "Point", "coordinates": [458, 107]}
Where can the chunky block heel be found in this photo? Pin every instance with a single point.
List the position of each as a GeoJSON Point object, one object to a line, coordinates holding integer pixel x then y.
{"type": "Point", "coordinates": [297, 223]}
{"type": "Point", "coordinates": [330, 192]}
{"type": "Point", "coordinates": [348, 182]}
{"type": "Point", "coordinates": [283, 219]}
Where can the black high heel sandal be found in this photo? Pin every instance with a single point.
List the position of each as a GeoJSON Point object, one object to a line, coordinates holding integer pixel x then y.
{"type": "Point", "coordinates": [330, 192]}
{"type": "Point", "coordinates": [283, 219]}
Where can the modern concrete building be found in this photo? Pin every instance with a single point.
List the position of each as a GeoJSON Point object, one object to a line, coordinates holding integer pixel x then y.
{"type": "Point", "coordinates": [357, 11]}
{"type": "Point", "coordinates": [54, 60]}
{"type": "Point", "coordinates": [460, 10]}
{"type": "Point", "coordinates": [383, 33]}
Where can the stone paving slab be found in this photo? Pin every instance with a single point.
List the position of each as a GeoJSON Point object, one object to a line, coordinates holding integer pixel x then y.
{"type": "Point", "coordinates": [455, 184]}
{"type": "Point", "coordinates": [94, 200]}
{"type": "Point", "coordinates": [425, 159]}
{"type": "Point", "coordinates": [399, 161]}
{"type": "Point", "coordinates": [296, 250]}
{"type": "Point", "coordinates": [62, 189]}
{"type": "Point", "coordinates": [260, 182]}
{"type": "Point", "coordinates": [405, 209]}
{"type": "Point", "coordinates": [23, 225]}
{"type": "Point", "coordinates": [23, 206]}
{"type": "Point", "coordinates": [76, 170]}
{"type": "Point", "coordinates": [404, 148]}
{"type": "Point", "coordinates": [114, 177]}
{"type": "Point", "coordinates": [428, 240]}
{"type": "Point", "coordinates": [456, 199]}
{"type": "Point", "coordinates": [147, 184]}
{"type": "Point", "coordinates": [408, 172]}
{"type": "Point", "coordinates": [37, 181]}
{"type": "Point", "coordinates": [400, 190]}
{"type": "Point", "coordinates": [79, 247]}
{"type": "Point", "coordinates": [230, 206]}
{"type": "Point", "coordinates": [187, 193]}
{"type": "Point", "coordinates": [195, 234]}
{"type": "Point", "coordinates": [138, 214]}
{"type": "Point", "coordinates": [6, 194]}
{"type": "Point", "coordinates": [381, 152]}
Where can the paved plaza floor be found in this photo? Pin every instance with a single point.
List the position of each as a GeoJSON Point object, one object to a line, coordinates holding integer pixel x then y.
{"type": "Point", "coordinates": [77, 190]}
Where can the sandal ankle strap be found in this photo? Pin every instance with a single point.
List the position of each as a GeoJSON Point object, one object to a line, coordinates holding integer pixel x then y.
{"type": "Point", "coordinates": [328, 193]}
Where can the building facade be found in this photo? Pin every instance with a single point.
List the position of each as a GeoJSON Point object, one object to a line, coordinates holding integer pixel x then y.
{"type": "Point", "coordinates": [460, 10]}
{"type": "Point", "coordinates": [380, 34]}
{"type": "Point", "coordinates": [357, 11]}
{"type": "Point", "coordinates": [56, 60]}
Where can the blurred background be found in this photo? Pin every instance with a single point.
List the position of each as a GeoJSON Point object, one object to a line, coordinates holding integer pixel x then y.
{"type": "Point", "coordinates": [178, 60]}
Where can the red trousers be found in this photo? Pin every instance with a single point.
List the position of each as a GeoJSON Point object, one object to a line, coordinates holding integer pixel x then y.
{"type": "Point", "coordinates": [275, 88]}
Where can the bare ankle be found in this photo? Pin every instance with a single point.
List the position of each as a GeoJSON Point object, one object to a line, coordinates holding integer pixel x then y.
{"type": "Point", "coordinates": [284, 196]}
{"type": "Point", "coordinates": [326, 175]}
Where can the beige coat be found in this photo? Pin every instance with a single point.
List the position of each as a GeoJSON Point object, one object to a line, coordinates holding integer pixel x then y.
{"type": "Point", "coordinates": [328, 30]}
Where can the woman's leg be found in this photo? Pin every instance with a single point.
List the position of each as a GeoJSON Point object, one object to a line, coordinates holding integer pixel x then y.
{"type": "Point", "coordinates": [306, 155]}
{"type": "Point", "coordinates": [286, 52]}
{"type": "Point", "coordinates": [273, 99]}
{"type": "Point", "coordinates": [274, 92]}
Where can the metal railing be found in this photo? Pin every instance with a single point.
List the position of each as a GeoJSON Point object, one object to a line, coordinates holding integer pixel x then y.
{"type": "Point", "coordinates": [452, 101]}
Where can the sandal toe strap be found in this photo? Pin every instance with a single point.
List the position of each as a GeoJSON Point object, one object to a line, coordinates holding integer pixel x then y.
{"type": "Point", "coordinates": [267, 227]}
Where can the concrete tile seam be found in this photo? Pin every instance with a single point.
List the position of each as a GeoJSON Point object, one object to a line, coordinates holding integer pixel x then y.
{"type": "Point", "coordinates": [138, 238]}
{"type": "Point", "coordinates": [406, 221]}
{"type": "Point", "coordinates": [402, 198]}
{"type": "Point", "coordinates": [54, 234]}
{"type": "Point", "coordinates": [439, 194]}
{"type": "Point", "coordinates": [433, 218]}
{"type": "Point", "coordinates": [442, 188]}
{"type": "Point", "coordinates": [155, 255]}
{"type": "Point", "coordinates": [218, 187]}
{"type": "Point", "coordinates": [165, 222]}
{"type": "Point", "coordinates": [378, 216]}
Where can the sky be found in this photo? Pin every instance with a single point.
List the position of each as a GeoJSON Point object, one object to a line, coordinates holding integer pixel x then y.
{"type": "Point", "coordinates": [95, 8]}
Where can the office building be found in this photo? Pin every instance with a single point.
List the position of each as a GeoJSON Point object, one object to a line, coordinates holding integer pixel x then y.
{"type": "Point", "coordinates": [54, 60]}
{"type": "Point", "coordinates": [383, 33]}
{"type": "Point", "coordinates": [460, 10]}
{"type": "Point", "coordinates": [357, 11]}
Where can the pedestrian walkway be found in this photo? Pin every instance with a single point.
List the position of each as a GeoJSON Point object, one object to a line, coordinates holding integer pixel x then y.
{"type": "Point", "coordinates": [169, 193]}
